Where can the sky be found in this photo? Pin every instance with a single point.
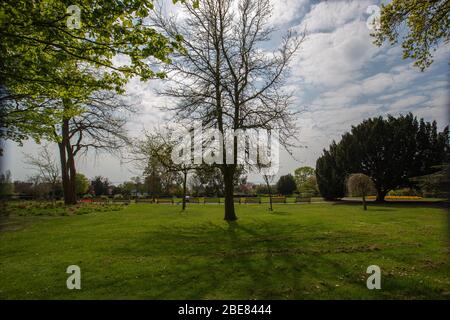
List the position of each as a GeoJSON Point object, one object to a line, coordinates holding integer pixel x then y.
{"type": "Point", "coordinates": [339, 78]}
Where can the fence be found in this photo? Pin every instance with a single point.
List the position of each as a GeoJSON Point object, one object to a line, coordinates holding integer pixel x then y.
{"type": "Point", "coordinates": [302, 200]}
{"type": "Point", "coordinates": [278, 200]}
{"type": "Point", "coordinates": [253, 200]}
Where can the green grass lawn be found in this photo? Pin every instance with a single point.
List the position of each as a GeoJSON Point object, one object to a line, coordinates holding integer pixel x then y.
{"type": "Point", "coordinates": [307, 251]}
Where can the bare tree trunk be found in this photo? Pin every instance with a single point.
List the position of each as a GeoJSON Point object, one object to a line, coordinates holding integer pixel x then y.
{"type": "Point", "coordinates": [364, 202]}
{"type": "Point", "coordinates": [270, 196]}
{"type": "Point", "coordinates": [53, 192]}
{"type": "Point", "coordinates": [184, 189]}
{"type": "Point", "coordinates": [67, 161]}
{"type": "Point", "coordinates": [64, 172]}
{"type": "Point", "coordinates": [381, 194]}
{"type": "Point", "coordinates": [71, 168]}
{"type": "Point", "coordinates": [228, 176]}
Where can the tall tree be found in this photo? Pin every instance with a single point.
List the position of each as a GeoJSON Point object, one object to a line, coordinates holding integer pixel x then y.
{"type": "Point", "coordinates": [45, 55]}
{"type": "Point", "coordinates": [99, 127]}
{"type": "Point", "coordinates": [390, 151]}
{"type": "Point", "coordinates": [224, 79]}
{"type": "Point", "coordinates": [50, 67]}
{"type": "Point", "coordinates": [427, 26]}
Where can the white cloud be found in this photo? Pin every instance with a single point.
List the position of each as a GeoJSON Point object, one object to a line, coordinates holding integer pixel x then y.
{"type": "Point", "coordinates": [332, 59]}
{"type": "Point", "coordinates": [339, 75]}
{"type": "Point", "coordinates": [284, 11]}
{"type": "Point", "coordinates": [405, 103]}
{"type": "Point", "coordinates": [330, 15]}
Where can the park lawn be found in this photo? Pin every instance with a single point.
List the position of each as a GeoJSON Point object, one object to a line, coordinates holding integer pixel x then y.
{"type": "Point", "coordinates": [306, 251]}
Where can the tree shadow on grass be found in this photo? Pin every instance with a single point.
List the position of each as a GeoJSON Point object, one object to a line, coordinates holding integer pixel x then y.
{"type": "Point", "coordinates": [231, 260]}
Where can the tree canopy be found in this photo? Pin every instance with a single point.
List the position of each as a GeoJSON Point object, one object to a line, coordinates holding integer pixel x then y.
{"type": "Point", "coordinates": [43, 58]}
{"type": "Point", "coordinates": [389, 150]}
{"type": "Point", "coordinates": [229, 82]}
{"type": "Point", "coordinates": [305, 178]}
{"type": "Point", "coordinates": [421, 24]}
{"type": "Point", "coordinates": [286, 185]}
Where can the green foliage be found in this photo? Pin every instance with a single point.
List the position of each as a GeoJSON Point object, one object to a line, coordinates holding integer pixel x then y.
{"type": "Point", "coordinates": [427, 23]}
{"type": "Point", "coordinates": [81, 184]}
{"type": "Point", "coordinates": [100, 186]}
{"type": "Point", "coordinates": [305, 178]}
{"type": "Point", "coordinates": [390, 151]}
{"type": "Point", "coordinates": [43, 60]}
{"type": "Point", "coordinates": [330, 177]}
{"type": "Point", "coordinates": [403, 192]}
{"type": "Point", "coordinates": [286, 185]}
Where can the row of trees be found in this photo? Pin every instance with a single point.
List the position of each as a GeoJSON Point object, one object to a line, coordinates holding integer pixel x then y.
{"type": "Point", "coordinates": [55, 77]}
{"type": "Point", "coordinates": [391, 151]}
{"type": "Point", "coordinates": [60, 80]}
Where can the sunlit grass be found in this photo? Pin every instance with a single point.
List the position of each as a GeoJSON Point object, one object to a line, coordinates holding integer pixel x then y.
{"type": "Point", "coordinates": [306, 251]}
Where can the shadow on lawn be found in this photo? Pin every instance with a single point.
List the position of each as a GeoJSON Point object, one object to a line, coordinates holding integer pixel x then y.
{"type": "Point", "coordinates": [252, 262]}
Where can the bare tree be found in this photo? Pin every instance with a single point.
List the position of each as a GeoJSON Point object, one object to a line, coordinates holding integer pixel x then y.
{"type": "Point", "coordinates": [46, 167]}
{"type": "Point", "coordinates": [225, 79]}
{"type": "Point", "coordinates": [358, 184]}
{"type": "Point", "coordinates": [156, 149]}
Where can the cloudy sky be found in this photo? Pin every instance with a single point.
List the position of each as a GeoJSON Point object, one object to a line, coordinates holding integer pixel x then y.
{"type": "Point", "coordinates": [339, 78]}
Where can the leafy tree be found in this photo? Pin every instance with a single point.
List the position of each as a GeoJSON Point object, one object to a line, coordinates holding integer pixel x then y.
{"type": "Point", "coordinates": [81, 183]}
{"type": "Point", "coordinates": [50, 71]}
{"type": "Point", "coordinates": [427, 23]}
{"type": "Point", "coordinates": [127, 188]}
{"type": "Point", "coordinates": [390, 151]}
{"type": "Point", "coordinates": [310, 186]}
{"type": "Point", "coordinates": [359, 184]}
{"type": "Point", "coordinates": [286, 185]}
{"type": "Point", "coordinates": [100, 185]}
{"type": "Point", "coordinates": [43, 58]}
{"type": "Point", "coordinates": [305, 178]}
{"type": "Point", "coordinates": [330, 178]}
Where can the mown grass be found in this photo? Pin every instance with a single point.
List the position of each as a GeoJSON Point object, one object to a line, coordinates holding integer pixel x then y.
{"type": "Point", "coordinates": [306, 251]}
